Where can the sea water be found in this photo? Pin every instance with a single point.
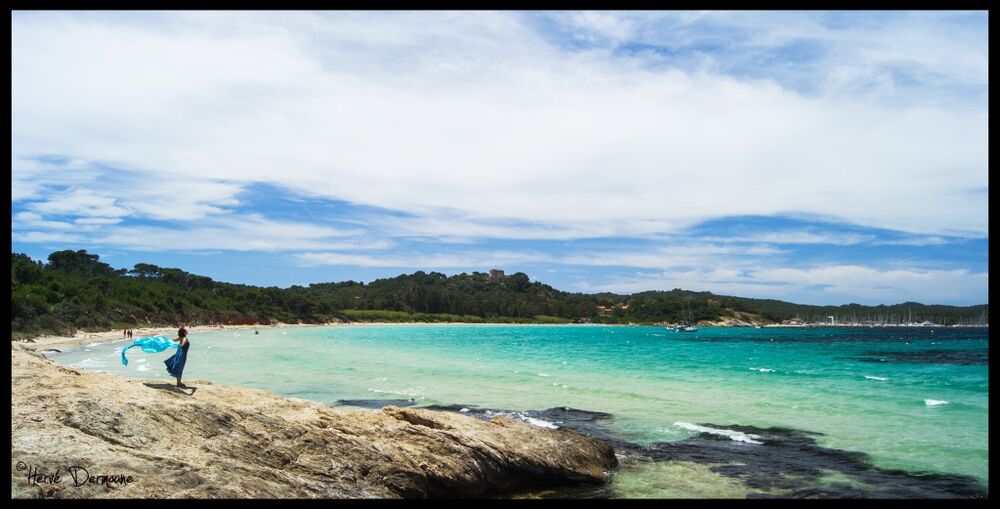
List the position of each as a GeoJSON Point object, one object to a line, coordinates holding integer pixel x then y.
{"type": "Point", "coordinates": [911, 399]}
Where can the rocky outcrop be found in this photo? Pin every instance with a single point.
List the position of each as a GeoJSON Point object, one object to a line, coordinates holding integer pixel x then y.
{"type": "Point", "coordinates": [71, 426]}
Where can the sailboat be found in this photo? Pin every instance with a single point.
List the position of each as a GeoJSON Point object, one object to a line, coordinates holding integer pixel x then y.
{"type": "Point", "coordinates": [687, 326]}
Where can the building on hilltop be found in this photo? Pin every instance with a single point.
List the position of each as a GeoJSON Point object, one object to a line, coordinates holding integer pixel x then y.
{"type": "Point", "coordinates": [496, 273]}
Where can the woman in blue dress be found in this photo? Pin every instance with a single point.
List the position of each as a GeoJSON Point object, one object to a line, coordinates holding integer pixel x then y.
{"type": "Point", "coordinates": [175, 364]}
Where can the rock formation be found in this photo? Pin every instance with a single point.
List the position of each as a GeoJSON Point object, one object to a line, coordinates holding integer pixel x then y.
{"type": "Point", "coordinates": [72, 426]}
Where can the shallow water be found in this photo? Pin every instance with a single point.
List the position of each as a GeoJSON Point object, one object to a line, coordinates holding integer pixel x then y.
{"type": "Point", "coordinates": [912, 399]}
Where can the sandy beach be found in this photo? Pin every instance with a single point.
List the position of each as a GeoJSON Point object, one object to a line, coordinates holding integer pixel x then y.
{"type": "Point", "coordinates": [82, 338]}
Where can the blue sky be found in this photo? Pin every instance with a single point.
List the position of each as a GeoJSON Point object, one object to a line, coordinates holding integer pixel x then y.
{"type": "Point", "coordinates": [820, 158]}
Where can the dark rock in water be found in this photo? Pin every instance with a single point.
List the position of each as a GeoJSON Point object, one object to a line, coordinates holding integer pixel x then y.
{"type": "Point", "coordinates": [375, 403]}
{"type": "Point", "coordinates": [590, 423]}
{"type": "Point", "coordinates": [962, 357]}
{"type": "Point", "coordinates": [789, 461]}
{"type": "Point", "coordinates": [450, 408]}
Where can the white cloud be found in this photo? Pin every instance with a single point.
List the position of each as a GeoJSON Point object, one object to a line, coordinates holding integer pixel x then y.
{"type": "Point", "coordinates": [797, 237]}
{"type": "Point", "coordinates": [474, 113]}
{"type": "Point", "coordinates": [675, 256]}
{"type": "Point", "coordinates": [32, 220]}
{"type": "Point", "coordinates": [840, 284]}
{"type": "Point", "coordinates": [249, 233]}
{"type": "Point", "coordinates": [61, 238]}
{"type": "Point", "coordinates": [469, 261]}
{"type": "Point", "coordinates": [605, 25]}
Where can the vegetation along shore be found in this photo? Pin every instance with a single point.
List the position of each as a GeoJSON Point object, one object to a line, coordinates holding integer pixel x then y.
{"type": "Point", "coordinates": [74, 290]}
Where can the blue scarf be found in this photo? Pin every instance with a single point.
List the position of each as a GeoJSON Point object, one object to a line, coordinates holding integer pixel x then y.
{"type": "Point", "coordinates": [154, 344]}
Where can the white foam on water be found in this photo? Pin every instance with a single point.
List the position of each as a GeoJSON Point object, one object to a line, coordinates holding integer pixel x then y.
{"type": "Point", "coordinates": [935, 402]}
{"type": "Point", "coordinates": [762, 370]}
{"type": "Point", "coordinates": [409, 391]}
{"type": "Point", "coordinates": [736, 436]}
{"type": "Point", "coordinates": [89, 362]}
{"type": "Point", "coordinates": [143, 360]}
{"type": "Point", "coordinates": [464, 410]}
{"type": "Point", "coordinates": [534, 421]}
{"type": "Point", "coordinates": [143, 368]}
{"type": "Point", "coordinates": [543, 374]}
{"type": "Point", "coordinates": [94, 344]}
{"type": "Point", "coordinates": [539, 422]}
{"type": "Point", "coordinates": [879, 378]}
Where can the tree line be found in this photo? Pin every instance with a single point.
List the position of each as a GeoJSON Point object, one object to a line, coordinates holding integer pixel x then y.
{"type": "Point", "coordinates": [75, 290]}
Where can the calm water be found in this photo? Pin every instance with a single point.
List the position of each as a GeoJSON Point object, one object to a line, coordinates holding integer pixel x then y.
{"type": "Point", "coordinates": [913, 399]}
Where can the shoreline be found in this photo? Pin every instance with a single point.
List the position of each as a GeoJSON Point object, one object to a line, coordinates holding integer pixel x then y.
{"type": "Point", "coordinates": [81, 338]}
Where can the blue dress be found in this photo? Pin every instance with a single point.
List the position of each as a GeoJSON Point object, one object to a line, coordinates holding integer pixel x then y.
{"type": "Point", "coordinates": [175, 364]}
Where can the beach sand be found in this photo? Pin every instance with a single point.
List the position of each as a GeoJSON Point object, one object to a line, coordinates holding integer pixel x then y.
{"type": "Point", "coordinates": [82, 338]}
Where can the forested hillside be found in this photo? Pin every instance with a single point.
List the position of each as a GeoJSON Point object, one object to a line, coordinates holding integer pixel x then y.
{"type": "Point", "coordinates": [75, 290]}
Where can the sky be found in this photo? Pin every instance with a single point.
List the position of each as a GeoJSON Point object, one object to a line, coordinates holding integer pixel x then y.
{"type": "Point", "coordinates": [814, 157]}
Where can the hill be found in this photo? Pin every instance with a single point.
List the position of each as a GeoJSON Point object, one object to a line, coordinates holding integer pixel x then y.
{"type": "Point", "coordinates": [75, 290]}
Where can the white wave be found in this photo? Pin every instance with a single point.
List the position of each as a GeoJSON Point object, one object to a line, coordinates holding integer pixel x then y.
{"type": "Point", "coordinates": [934, 402]}
{"type": "Point", "coordinates": [142, 368]}
{"type": "Point", "coordinates": [534, 421]}
{"type": "Point", "coordinates": [737, 436]}
{"type": "Point", "coordinates": [464, 410]}
{"type": "Point", "coordinates": [405, 392]}
{"type": "Point", "coordinates": [379, 379]}
{"type": "Point", "coordinates": [544, 374]}
{"type": "Point", "coordinates": [94, 344]}
{"type": "Point", "coordinates": [879, 378]}
{"type": "Point", "coordinates": [762, 370]}
{"type": "Point", "coordinates": [143, 360]}
{"type": "Point", "coordinates": [89, 362]}
{"type": "Point", "coordinates": [539, 422]}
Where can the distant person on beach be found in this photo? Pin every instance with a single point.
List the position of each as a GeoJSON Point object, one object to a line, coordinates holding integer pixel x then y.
{"type": "Point", "coordinates": [124, 333]}
{"type": "Point", "coordinates": [175, 364]}
{"type": "Point", "coordinates": [130, 333]}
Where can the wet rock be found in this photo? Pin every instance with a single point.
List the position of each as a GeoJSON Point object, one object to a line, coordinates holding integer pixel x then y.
{"type": "Point", "coordinates": [375, 403]}
{"type": "Point", "coordinates": [789, 463]}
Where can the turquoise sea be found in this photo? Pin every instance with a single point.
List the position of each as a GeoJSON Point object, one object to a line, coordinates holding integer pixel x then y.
{"type": "Point", "coordinates": [723, 412]}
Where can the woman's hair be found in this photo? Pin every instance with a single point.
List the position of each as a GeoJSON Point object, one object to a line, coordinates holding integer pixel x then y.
{"type": "Point", "coordinates": [182, 332]}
